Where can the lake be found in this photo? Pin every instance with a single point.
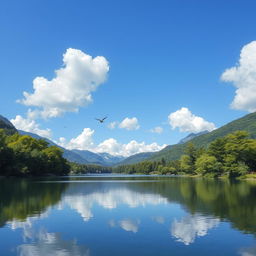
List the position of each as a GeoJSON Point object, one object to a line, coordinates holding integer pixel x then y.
{"type": "Point", "coordinates": [127, 215]}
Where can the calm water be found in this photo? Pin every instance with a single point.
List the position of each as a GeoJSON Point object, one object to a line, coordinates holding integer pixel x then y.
{"type": "Point", "coordinates": [106, 215]}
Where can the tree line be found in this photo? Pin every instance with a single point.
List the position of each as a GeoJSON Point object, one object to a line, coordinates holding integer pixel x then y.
{"type": "Point", "coordinates": [88, 168]}
{"type": "Point", "coordinates": [233, 155]}
{"type": "Point", "coordinates": [23, 155]}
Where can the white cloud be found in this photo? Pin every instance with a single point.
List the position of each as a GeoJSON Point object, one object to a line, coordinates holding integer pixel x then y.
{"type": "Point", "coordinates": [113, 125]}
{"type": "Point", "coordinates": [115, 148]}
{"type": "Point", "coordinates": [84, 141]}
{"type": "Point", "coordinates": [110, 146]}
{"type": "Point", "coordinates": [157, 129]}
{"type": "Point", "coordinates": [29, 125]}
{"type": "Point", "coordinates": [243, 77]}
{"type": "Point", "coordinates": [130, 124]}
{"type": "Point", "coordinates": [188, 122]}
{"type": "Point", "coordinates": [72, 86]}
{"type": "Point", "coordinates": [189, 227]}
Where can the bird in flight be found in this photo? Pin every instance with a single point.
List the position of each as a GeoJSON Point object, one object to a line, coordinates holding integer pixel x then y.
{"type": "Point", "coordinates": [101, 120]}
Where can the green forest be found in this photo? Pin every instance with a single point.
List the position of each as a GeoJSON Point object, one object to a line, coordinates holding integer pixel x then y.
{"type": "Point", "coordinates": [232, 155]}
{"type": "Point", "coordinates": [24, 155]}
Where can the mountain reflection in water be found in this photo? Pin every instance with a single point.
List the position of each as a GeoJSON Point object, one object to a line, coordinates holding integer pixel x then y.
{"type": "Point", "coordinates": [67, 217]}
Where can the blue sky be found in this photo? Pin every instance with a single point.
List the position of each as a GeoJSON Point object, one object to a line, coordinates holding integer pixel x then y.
{"type": "Point", "coordinates": [162, 56]}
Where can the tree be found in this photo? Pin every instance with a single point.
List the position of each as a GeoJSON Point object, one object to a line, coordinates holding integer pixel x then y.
{"type": "Point", "coordinates": [217, 149]}
{"type": "Point", "coordinates": [206, 164]}
{"type": "Point", "coordinates": [186, 165]}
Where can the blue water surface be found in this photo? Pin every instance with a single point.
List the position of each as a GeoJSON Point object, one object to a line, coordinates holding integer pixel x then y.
{"type": "Point", "coordinates": [127, 215]}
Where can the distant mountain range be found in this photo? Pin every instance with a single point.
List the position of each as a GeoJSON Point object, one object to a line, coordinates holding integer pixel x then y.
{"type": "Point", "coordinates": [246, 123]}
{"type": "Point", "coordinates": [172, 152]}
{"type": "Point", "coordinates": [78, 156]}
{"type": "Point", "coordinates": [135, 158]}
{"type": "Point", "coordinates": [81, 156]}
{"type": "Point", "coordinates": [146, 155]}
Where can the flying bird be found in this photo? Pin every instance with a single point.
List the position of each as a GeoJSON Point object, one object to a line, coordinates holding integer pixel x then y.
{"type": "Point", "coordinates": [101, 120]}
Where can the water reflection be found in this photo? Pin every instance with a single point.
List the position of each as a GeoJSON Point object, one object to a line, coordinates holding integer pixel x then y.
{"type": "Point", "coordinates": [103, 212]}
{"type": "Point", "coordinates": [189, 227]}
{"type": "Point", "coordinates": [159, 219]}
{"type": "Point", "coordinates": [109, 197]}
{"type": "Point", "coordinates": [20, 198]}
{"type": "Point", "coordinates": [27, 226]}
{"type": "Point", "coordinates": [45, 243]}
{"type": "Point", "coordinates": [128, 225]}
{"type": "Point", "coordinates": [248, 251]}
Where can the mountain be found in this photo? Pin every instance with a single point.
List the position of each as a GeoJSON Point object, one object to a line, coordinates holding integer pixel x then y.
{"type": "Point", "coordinates": [68, 154]}
{"type": "Point", "coordinates": [146, 155]}
{"type": "Point", "coordinates": [90, 157]}
{"type": "Point", "coordinates": [80, 156]}
{"type": "Point", "coordinates": [192, 136]}
{"type": "Point", "coordinates": [246, 123]}
{"type": "Point", "coordinates": [136, 158]}
{"type": "Point", "coordinates": [111, 159]}
{"type": "Point", "coordinates": [99, 158]}
{"type": "Point", "coordinates": [7, 125]}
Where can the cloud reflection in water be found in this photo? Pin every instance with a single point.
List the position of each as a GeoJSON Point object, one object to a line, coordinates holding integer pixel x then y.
{"type": "Point", "coordinates": [110, 200]}
{"type": "Point", "coordinates": [189, 227]}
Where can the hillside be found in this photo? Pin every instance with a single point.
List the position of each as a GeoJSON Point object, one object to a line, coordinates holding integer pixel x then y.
{"type": "Point", "coordinates": [110, 159]}
{"type": "Point", "coordinates": [246, 123]}
{"type": "Point", "coordinates": [80, 156]}
{"type": "Point", "coordinates": [90, 156]}
{"type": "Point", "coordinates": [68, 154]}
{"type": "Point", "coordinates": [191, 136]}
{"type": "Point", "coordinates": [136, 158]}
{"type": "Point", "coordinates": [7, 125]}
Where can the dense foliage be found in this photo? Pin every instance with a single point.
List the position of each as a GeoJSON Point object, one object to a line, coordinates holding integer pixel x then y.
{"type": "Point", "coordinates": [88, 168]}
{"type": "Point", "coordinates": [24, 155]}
{"type": "Point", "coordinates": [233, 155]}
{"type": "Point", "coordinates": [173, 152]}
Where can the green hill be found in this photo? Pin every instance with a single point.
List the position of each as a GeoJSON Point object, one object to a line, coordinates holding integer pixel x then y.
{"type": "Point", "coordinates": [7, 125]}
{"type": "Point", "coordinates": [173, 152]}
{"type": "Point", "coordinates": [136, 158]}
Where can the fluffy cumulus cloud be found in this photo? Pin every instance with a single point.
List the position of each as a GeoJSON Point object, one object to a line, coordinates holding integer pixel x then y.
{"type": "Point", "coordinates": [84, 141]}
{"type": "Point", "coordinates": [157, 129]}
{"type": "Point", "coordinates": [243, 77]}
{"type": "Point", "coordinates": [188, 122]}
{"type": "Point", "coordinates": [72, 86]}
{"type": "Point", "coordinates": [130, 124]}
{"type": "Point", "coordinates": [115, 148]}
{"type": "Point", "coordinates": [29, 125]}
